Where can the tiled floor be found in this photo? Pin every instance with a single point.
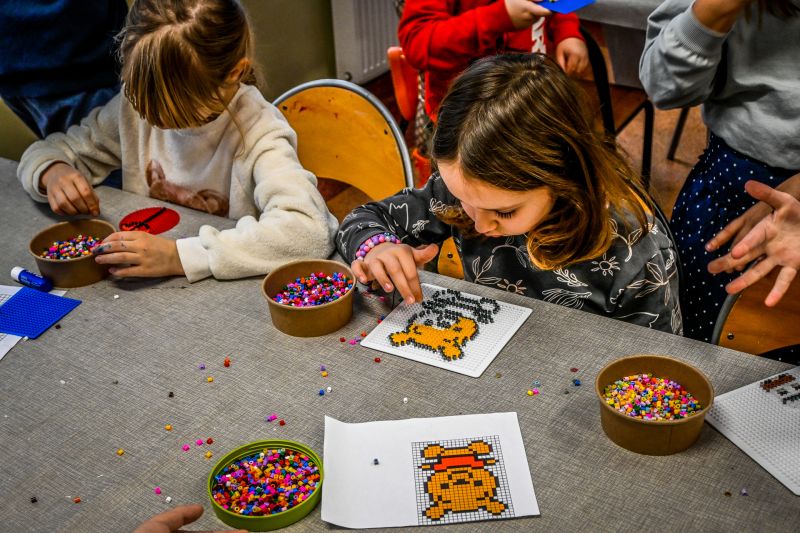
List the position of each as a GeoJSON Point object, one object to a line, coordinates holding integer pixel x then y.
{"type": "Point", "coordinates": [666, 179]}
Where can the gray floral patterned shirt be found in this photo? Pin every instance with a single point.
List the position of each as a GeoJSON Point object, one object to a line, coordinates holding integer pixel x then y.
{"type": "Point", "coordinates": [636, 280]}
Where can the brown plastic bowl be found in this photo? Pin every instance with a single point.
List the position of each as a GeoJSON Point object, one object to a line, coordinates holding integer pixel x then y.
{"type": "Point", "coordinates": [70, 273]}
{"type": "Point", "coordinates": [653, 437]}
{"type": "Point", "coordinates": [307, 321]}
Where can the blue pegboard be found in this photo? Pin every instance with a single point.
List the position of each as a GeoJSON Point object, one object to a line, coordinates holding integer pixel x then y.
{"type": "Point", "coordinates": [565, 6]}
{"type": "Point", "coordinates": [30, 312]}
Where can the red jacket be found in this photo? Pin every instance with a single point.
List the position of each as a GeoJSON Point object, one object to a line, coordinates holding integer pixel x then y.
{"type": "Point", "coordinates": [442, 37]}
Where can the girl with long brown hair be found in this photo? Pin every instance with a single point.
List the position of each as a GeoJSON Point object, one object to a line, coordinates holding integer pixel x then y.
{"type": "Point", "coordinates": [189, 127]}
{"type": "Point", "coordinates": [537, 201]}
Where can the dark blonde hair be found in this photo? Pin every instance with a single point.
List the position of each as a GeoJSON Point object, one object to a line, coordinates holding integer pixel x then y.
{"type": "Point", "coordinates": [517, 122]}
{"type": "Point", "coordinates": [176, 55]}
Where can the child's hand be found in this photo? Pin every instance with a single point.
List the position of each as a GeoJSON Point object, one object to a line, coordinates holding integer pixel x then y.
{"type": "Point", "coordinates": [395, 265]}
{"type": "Point", "coordinates": [572, 56]}
{"type": "Point", "coordinates": [139, 254]}
{"type": "Point", "coordinates": [172, 520]}
{"type": "Point", "coordinates": [68, 191]}
{"type": "Point", "coordinates": [524, 13]}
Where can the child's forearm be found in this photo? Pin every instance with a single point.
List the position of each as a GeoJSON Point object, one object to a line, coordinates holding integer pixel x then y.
{"type": "Point", "coordinates": [719, 15]}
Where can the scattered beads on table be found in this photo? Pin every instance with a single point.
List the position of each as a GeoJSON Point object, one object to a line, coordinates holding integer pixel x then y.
{"type": "Point", "coordinates": [186, 447]}
{"type": "Point", "coordinates": [272, 417]}
{"type": "Point", "coordinates": [405, 400]}
{"type": "Point", "coordinates": [171, 394]}
{"type": "Point", "coordinates": [573, 369]}
{"type": "Point", "coordinates": [210, 379]}
{"type": "Point", "coordinates": [76, 499]}
{"type": "Point", "coordinates": [322, 368]}
{"type": "Point", "coordinates": [34, 499]}
{"type": "Point", "coordinates": [282, 422]}
{"type": "Point", "coordinates": [315, 289]}
{"type": "Point", "coordinates": [576, 382]}
{"type": "Point", "coordinates": [330, 389]}
{"type": "Point", "coordinates": [322, 392]}
{"type": "Point", "coordinates": [269, 482]}
{"type": "Point", "coordinates": [324, 373]}
{"type": "Point", "coordinates": [120, 452]}
{"type": "Point", "coordinates": [227, 362]}
{"type": "Point", "coordinates": [377, 359]}
{"type": "Point", "coordinates": [199, 442]}
{"type": "Point", "coordinates": [375, 461]}
{"type": "Point", "coordinates": [645, 397]}
{"type": "Point", "coordinates": [744, 492]}
{"type": "Point", "coordinates": [157, 490]}
{"type": "Point", "coordinates": [209, 440]}
{"type": "Point", "coordinates": [202, 366]}
{"type": "Point", "coordinates": [168, 427]}
{"type": "Point", "coordinates": [168, 499]}
{"type": "Point", "coordinates": [78, 246]}
{"type": "Point", "coordinates": [208, 455]}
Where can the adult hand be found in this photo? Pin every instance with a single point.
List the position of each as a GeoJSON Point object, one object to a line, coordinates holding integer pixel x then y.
{"type": "Point", "coordinates": [741, 226]}
{"type": "Point", "coordinates": [68, 191]}
{"type": "Point", "coordinates": [523, 13]}
{"type": "Point", "coordinates": [776, 237]}
{"type": "Point", "coordinates": [139, 254]}
{"type": "Point", "coordinates": [572, 55]}
{"type": "Point", "coordinates": [395, 265]}
{"type": "Point", "coordinates": [172, 520]}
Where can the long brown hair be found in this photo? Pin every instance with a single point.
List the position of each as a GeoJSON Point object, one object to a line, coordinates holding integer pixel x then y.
{"type": "Point", "coordinates": [176, 55]}
{"type": "Point", "coordinates": [517, 122]}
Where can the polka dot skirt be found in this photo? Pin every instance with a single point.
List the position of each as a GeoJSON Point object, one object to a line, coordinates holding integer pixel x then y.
{"type": "Point", "coordinates": [712, 196]}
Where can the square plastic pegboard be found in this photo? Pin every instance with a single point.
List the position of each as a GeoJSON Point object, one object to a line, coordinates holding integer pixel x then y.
{"type": "Point", "coordinates": [29, 313]}
{"type": "Point", "coordinates": [470, 330]}
{"type": "Point", "coordinates": [763, 419]}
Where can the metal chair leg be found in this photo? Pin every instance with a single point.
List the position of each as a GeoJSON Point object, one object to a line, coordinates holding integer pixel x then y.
{"type": "Point", "coordinates": [676, 135]}
{"type": "Point", "coordinates": [647, 149]}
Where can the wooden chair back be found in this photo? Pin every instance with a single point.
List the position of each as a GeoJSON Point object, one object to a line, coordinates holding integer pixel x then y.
{"type": "Point", "coordinates": [746, 324]}
{"type": "Point", "coordinates": [346, 134]}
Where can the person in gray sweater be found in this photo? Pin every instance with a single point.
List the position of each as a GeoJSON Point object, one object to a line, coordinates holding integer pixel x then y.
{"type": "Point", "coordinates": [538, 203]}
{"type": "Point", "coordinates": [741, 60]}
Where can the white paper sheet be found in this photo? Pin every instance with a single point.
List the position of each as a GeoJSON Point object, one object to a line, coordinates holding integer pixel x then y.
{"type": "Point", "coordinates": [478, 352]}
{"type": "Point", "coordinates": [9, 341]}
{"type": "Point", "coordinates": [360, 494]}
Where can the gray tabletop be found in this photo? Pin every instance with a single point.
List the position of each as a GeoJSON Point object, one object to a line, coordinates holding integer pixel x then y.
{"type": "Point", "coordinates": [59, 441]}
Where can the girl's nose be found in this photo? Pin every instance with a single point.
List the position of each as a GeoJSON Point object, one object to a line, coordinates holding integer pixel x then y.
{"type": "Point", "coordinates": [484, 222]}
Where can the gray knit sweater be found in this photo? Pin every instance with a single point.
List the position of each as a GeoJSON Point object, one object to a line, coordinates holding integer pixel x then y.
{"type": "Point", "coordinates": [747, 79]}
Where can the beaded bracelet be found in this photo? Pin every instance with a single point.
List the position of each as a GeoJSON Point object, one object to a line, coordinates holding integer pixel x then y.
{"type": "Point", "coordinates": [374, 241]}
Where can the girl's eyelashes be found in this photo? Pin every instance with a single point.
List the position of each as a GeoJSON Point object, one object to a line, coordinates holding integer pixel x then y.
{"type": "Point", "coordinates": [505, 214]}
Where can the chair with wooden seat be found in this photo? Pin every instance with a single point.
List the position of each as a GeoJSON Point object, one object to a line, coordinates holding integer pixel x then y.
{"type": "Point", "coordinates": [345, 133]}
{"type": "Point", "coordinates": [746, 324]}
{"type": "Point", "coordinates": [618, 105]}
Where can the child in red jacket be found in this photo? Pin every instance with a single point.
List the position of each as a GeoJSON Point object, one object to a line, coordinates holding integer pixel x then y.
{"type": "Point", "coordinates": [442, 37]}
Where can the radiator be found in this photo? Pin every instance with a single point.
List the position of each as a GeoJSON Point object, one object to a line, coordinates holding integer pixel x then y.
{"type": "Point", "coordinates": [362, 32]}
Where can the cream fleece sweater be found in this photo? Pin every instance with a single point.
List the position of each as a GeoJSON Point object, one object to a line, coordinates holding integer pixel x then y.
{"type": "Point", "coordinates": [256, 179]}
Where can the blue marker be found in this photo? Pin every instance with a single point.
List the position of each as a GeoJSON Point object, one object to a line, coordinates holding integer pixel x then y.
{"type": "Point", "coordinates": [29, 279]}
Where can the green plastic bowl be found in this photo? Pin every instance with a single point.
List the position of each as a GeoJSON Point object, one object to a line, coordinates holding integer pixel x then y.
{"type": "Point", "coordinates": [264, 522]}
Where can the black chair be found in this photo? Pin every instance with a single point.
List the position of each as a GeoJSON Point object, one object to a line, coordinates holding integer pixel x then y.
{"type": "Point", "coordinates": [620, 105]}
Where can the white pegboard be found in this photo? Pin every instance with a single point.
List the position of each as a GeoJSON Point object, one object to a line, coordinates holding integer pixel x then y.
{"type": "Point", "coordinates": [496, 321]}
{"type": "Point", "coordinates": [765, 423]}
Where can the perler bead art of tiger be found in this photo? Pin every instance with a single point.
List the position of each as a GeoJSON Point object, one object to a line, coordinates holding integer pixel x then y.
{"type": "Point", "coordinates": [460, 482]}
{"type": "Point", "coordinates": [447, 321]}
{"type": "Point", "coordinates": [447, 342]}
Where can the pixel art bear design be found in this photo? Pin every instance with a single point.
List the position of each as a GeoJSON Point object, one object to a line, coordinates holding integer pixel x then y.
{"type": "Point", "coordinates": [448, 320]}
{"type": "Point", "coordinates": [460, 482]}
{"type": "Point", "coordinates": [161, 188]}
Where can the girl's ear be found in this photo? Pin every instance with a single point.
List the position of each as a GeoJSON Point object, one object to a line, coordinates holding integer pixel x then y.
{"type": "Point", "coordinates": [237, 72]}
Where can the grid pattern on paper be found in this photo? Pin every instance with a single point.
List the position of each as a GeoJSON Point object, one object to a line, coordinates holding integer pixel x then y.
{"type": "Point", "coordinates": [478, 353]}
{"type": "Point", "coordinates": [464, 502]}
{"type": "Point", "coordinates": [765, 424]}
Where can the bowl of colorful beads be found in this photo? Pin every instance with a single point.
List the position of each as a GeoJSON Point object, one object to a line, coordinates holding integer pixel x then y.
{"type": "Point", "coordinates": [63, 252]}
{"type": "Point", "coordinates": [266, 485]}
{"type": "Point", "coordinates": [309, 298]}
{"type": "Point", "coordinates": [652, 404]}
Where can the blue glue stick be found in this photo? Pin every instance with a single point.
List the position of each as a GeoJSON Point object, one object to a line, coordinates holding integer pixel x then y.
{"type": "Point", "coordinates": [29, 279]}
